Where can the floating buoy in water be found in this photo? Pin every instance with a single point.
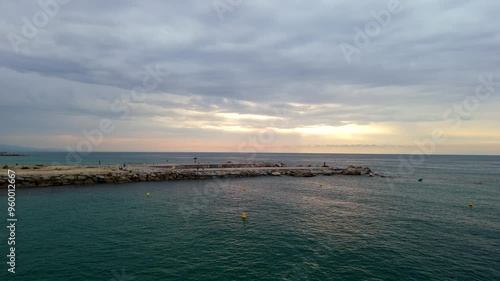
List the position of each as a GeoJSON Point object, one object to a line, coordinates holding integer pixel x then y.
{"type": "Point", "coordinates": [244, 215]}
{"type": "Point", "coordinates": [420, 179]}
{"type": "Point", "coordinates": [470, 204]}
{"type": "Point", "coordinates": [320, 185]}
{"type": "Point", "coordinates": [244, 189]}
{"type": "Point", "coordinates": [147, 194]}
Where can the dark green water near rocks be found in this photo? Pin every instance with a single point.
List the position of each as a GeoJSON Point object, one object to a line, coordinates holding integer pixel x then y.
{"type": "Point", "coordinates": [321, 228]}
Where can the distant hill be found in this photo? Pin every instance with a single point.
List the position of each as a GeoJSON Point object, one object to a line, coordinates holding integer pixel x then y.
{"type": "Point", "coordinates": [16, 148]}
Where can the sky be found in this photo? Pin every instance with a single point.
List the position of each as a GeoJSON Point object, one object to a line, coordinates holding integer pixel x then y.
{"type": "Point", "coordinates": [251, 76]}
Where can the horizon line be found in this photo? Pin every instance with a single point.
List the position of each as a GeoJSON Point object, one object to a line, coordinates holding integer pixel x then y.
{"type": "Point", "coordinates": [268, 152]}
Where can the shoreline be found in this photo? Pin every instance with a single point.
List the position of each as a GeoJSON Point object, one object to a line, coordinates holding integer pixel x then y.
{"type": "Point", "coordinates": [46, 175]}
{"type": "Point", "coordinates": [8, 154]}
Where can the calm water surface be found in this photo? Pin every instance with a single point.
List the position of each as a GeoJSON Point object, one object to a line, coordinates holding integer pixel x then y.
{"type": "Point", "coordinates": [321, 228]}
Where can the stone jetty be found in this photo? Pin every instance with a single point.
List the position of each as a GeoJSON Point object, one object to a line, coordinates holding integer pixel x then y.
{"type": "Point", "coordinates": [42, 176]}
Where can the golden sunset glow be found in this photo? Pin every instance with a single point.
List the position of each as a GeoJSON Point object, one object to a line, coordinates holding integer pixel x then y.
{"type": "Point", "coordinates": [192, 83]}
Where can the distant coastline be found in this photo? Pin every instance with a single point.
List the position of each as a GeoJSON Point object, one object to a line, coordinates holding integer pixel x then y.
{"type": "Point", "coordinates": [11, 154]}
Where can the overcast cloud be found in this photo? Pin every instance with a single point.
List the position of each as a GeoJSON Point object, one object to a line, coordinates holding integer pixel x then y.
{"type": "Point", "coordinates": [268, 64]}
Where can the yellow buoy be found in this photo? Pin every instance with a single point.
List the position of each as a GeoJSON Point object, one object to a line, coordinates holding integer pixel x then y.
{"type": "Point", "coordinates": [470, 204]}
{"type": "Point", "coordinates": [244, 215]}
{"type": "Point", "coordinates": [244, 189]}
{"type": "Point", "coordinates": [147, 194]}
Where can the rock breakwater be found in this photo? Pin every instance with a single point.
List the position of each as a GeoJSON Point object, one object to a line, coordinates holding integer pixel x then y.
{"type": "Point", "coordinates": [58, 177]}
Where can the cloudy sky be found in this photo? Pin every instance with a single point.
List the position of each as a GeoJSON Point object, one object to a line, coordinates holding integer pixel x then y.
{"type": "Point", "coordinates": [251, 75]}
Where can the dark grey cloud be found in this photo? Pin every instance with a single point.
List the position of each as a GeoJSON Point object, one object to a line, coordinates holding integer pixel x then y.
{"type": "Point", "coordinates": [265, 55]}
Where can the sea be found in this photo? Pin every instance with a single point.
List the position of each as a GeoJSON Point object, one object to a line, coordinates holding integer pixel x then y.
{"type": "Point", "coordinates": [387, 227]}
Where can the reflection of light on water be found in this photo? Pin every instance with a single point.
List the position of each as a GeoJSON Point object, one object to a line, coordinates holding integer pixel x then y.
{"type": "Point", "coordinates": [343, 214]}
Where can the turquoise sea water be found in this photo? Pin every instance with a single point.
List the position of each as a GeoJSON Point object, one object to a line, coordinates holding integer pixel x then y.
{"type": "Point", "coordinates": [321, 228]}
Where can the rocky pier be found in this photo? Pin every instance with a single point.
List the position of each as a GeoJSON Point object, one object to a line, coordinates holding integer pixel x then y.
{"type": "Point", "coordinates": [43, 176]}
